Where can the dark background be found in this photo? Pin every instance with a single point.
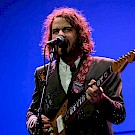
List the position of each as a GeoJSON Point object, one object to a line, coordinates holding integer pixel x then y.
{"type": "Point", "coordinates": [113, 23]}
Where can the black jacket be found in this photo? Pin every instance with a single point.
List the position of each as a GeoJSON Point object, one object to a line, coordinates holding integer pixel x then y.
{"type": "Point", "coordinates": [90, 119]}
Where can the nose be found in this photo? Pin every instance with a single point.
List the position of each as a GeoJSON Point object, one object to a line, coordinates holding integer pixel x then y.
{"type": "Point", "coordinates": [61, 33]}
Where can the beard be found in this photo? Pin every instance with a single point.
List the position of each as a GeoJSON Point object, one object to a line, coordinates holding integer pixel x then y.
{"type": "Point", "coordinates": [69, 49]}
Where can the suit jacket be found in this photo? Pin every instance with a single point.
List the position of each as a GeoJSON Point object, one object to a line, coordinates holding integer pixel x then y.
{"type": "Point", "coordinates": [90, 119]}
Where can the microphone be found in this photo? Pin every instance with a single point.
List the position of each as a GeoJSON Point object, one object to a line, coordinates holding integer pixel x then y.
{"type": "Point", "coordinates": [56, 41]}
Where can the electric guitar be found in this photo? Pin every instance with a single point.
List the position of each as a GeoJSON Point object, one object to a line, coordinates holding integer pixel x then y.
{"type": "Point", "coordinates": [64, 116]}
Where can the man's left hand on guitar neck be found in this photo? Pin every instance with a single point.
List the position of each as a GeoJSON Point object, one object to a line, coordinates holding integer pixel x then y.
{"type": "Point", "coordinates": [94, 94]}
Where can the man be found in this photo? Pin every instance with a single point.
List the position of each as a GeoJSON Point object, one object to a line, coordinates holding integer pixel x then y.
{"type": "Point", "coordinates": [75, 76]}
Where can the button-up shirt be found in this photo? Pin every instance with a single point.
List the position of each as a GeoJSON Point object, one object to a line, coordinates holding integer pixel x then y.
{"type": "Point", "coordinates": [65, 73]}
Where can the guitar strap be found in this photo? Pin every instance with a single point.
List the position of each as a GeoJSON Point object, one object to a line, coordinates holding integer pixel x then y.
{"type": "Point", "coordinates": [81, 75]}
{"type": "Point", "coordinates": [76, 86]}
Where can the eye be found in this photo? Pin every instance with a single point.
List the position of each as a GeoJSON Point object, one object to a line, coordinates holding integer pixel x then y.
{"type": "Point", "coordinates": [67, 29]}
{"type": "Point", "coordinates": [55, 31]}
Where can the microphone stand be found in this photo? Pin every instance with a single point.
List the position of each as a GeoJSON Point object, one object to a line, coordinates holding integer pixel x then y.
{"type": "Point", "coordinates": [38, 127]}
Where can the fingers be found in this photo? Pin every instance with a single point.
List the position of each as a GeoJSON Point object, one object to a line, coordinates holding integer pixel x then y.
{"type": "Point", "coordinates": [94, 99]}
{"type": "Point", "coordinates": [45, 130]}
{"type": "Point", "coordinates": [45, 119]}
{"type": "Point", "coordinates": [93, 89]}
{"type": "Point", "coordinates": [46, 123]}
{"type": "Point", "coordinates": [93, 93]}
{"type": "Point", "coordinates": [92, 82]}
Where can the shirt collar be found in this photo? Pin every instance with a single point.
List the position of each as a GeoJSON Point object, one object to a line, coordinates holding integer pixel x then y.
{"type": "Point", "coordinates": [62, 63]}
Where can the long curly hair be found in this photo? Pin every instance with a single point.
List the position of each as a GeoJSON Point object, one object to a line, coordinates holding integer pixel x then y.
{"type": "Point", "coordinates": [77, 21]}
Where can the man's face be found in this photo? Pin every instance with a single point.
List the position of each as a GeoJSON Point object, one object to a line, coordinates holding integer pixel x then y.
{"type": "Point", "coordinates": [60, 27]}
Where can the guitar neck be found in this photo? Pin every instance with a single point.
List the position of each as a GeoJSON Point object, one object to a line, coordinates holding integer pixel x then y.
{"type": "Point", "coordinates": [104, 77]}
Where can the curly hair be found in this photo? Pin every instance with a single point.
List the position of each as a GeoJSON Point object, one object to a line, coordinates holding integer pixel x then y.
{"type": "Point", "coordinates": [77, 21]}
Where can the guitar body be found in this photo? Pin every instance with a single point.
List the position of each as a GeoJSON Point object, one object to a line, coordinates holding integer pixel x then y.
{"type": "Point", "coordinates": [58, 126]}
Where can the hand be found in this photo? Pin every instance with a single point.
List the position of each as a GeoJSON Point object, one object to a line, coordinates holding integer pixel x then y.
{"type": "Point", "coordinates": [46, 123]}
{"type": "Point", "coordinates": [93, 93]}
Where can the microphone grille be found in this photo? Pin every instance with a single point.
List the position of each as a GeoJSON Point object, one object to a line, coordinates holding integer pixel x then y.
{"type": "Point", "coordinates": [61, 38]}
